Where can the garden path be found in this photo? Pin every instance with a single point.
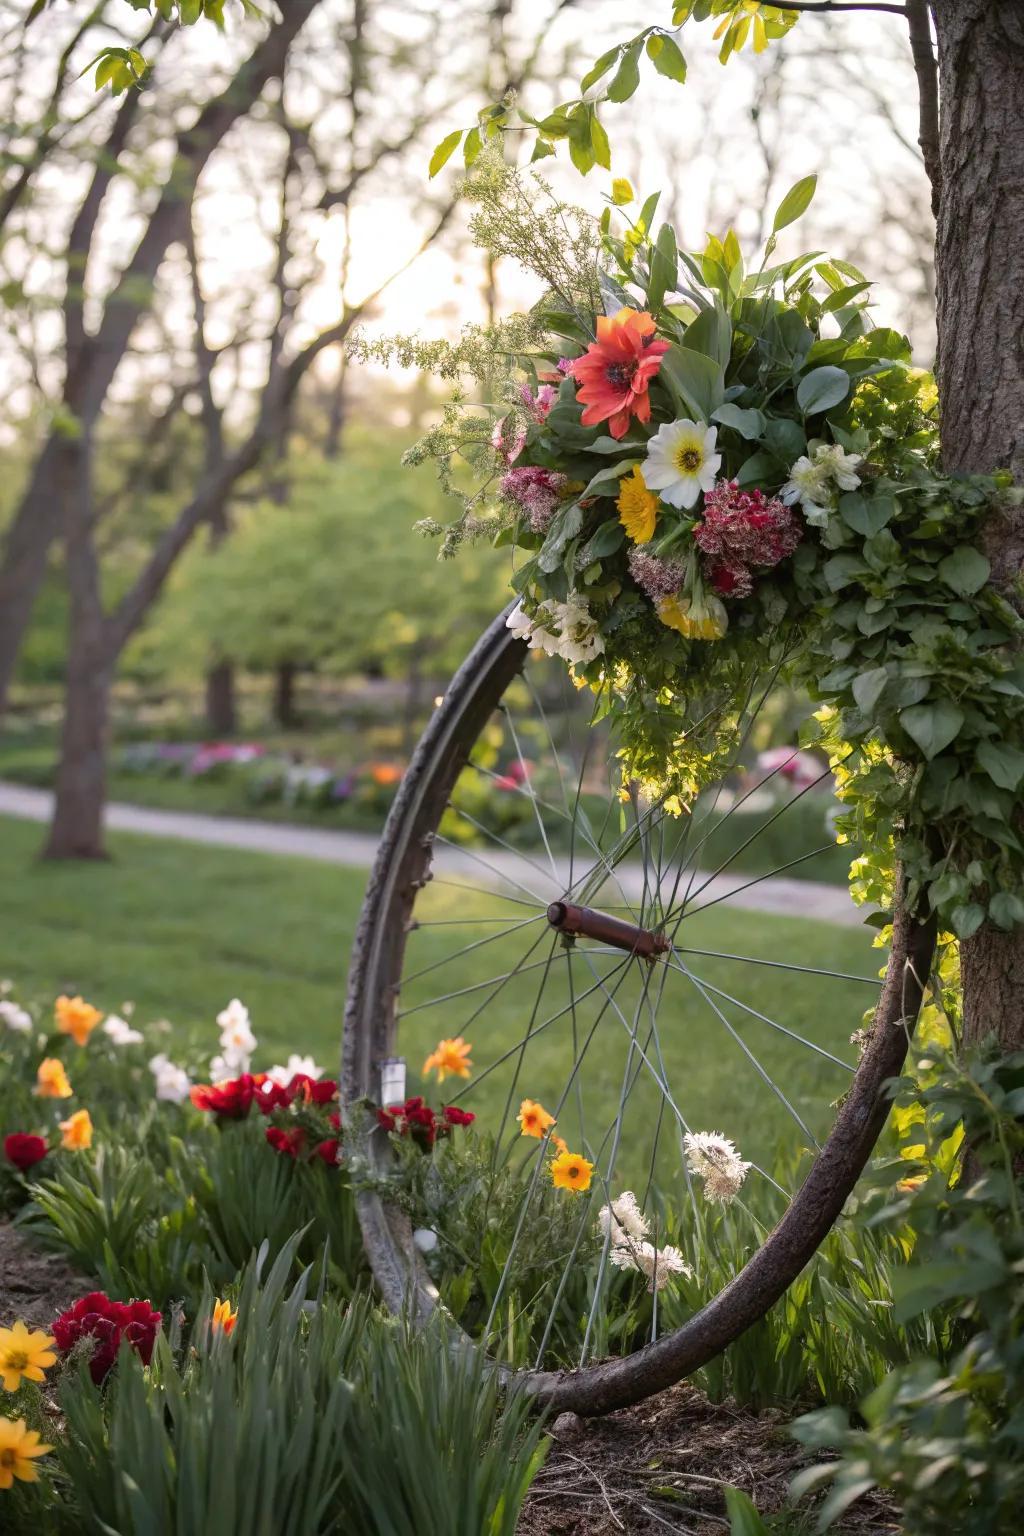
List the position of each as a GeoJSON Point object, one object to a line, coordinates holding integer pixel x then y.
{"type": "Point", "coordinates": [356, 850]}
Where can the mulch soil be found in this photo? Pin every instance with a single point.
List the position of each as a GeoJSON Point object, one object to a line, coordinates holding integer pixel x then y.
{"type": "Point", "coordinates": [34, 1285]}
{"type": "Point", "coordinates": [664, 1465]}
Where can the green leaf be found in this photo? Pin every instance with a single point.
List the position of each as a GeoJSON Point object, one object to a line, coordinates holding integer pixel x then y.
{"type": "Point", "coordinates": [822, 388]}
{"type": "Point", "coordinates": [599, 143]}
{"type": "Point", "coordinates": [744, 1519]}
{"type": "Point", "coordinates": [932, 726]}
{"type": "Point", "coordinates": [627, 76]}
{"type": "Point", "coordinates": [966, 570]}
{"type": "Point", "coordinates": [668, 58]}
{"type": "Point", "coordinates": [866, 515]}
{"type": "Point", "coordinates": [760, 466]}
{"type": "Point", "coordinates": [472, 147]}
{"type": "Point", "coordinates": [748, 423]}
{"type": "Point", "coordinates": [796, 202]}
{"type": "Point", "coordinates": [599, 67]}
{"type": "Point", "coordinates": [1003, 764]}
{"type": "Point", "coordinates": [541, 150]}
{"type": "Point", "coordinates": [696, 381]}
{"type": "Point", "coordinates": [868, 688]}
{"type": "Point", "coordinates": [664, 267]}
{"type": "Point", "coordinates": [711, 333]}
{"type": "Point", "coordinates": [1006, 909]}
{"type": "Point", "coordinates": [606, 481]}
{"type": "Point", "coordinates": [444, 151]}
{"type": "Point", "coordinates": [609, 537]}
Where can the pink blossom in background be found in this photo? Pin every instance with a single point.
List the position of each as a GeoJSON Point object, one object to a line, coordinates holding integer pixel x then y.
{"type": "Point", "coordinates": [799, 769]}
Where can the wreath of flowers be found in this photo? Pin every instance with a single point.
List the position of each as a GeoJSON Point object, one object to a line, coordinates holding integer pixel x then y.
{"type": "Point", "coordinates": [711, 474]}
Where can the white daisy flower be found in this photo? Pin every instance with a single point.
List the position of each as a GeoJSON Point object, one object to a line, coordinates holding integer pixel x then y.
{"type": "Point", "coordinates": [120, 1031]}
{"type": "Point", "coordinates": [625, 1217]}
{"type": "Point", "coordinates": [714, 1158]}
{"type": "Point", "coordinates": [681, 461]}
{"type": "Point", "coordinates": [303, 1066]}
{"type": "Point", "coordinates": [171, 1082]}
{"type": "Point", "coordinates": [14, 1017]}
{"type": "Point", "coordinates": [658, 1264]}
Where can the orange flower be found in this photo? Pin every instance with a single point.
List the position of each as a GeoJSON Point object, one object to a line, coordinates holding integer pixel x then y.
{"type": "Point", "coordinates": [450, 1059]}
{"type": "Point", "coordinates": [76, 1017]}
{"type": "Point", "coordinates": [385, 773]}
{"type": "Point", "coordinates": [534, 1119]}
{"type": "Point", "coordinates": [52, 1080]}
{"type": "Point", "coordinates": [616, 369]}
{"type": "Point", "coordinates": [223, 1319]}
{"type": "Point", "coordinates": [559, 1143]}
{"type": "Point", "coordinates": [76, 1132]}
{"type": "Point", "coordinates": [570, 1171]}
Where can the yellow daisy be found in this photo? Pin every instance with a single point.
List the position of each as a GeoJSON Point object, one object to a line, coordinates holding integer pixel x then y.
{"type": "Point", "coordinates": [570, 1171]}
{"type": "Point", "coordinates": [449, 1059]}
{"type": "Point", "coordinates": [533, 1118]}
{"type": "Point", "coordinates": [697, 618]}
{"type": "Point", "coordinates": [25, 1353]}
{"type": "Point", "coordinates": [638, 507]}
{"type": "Point", "coordinates": [19, 1445]}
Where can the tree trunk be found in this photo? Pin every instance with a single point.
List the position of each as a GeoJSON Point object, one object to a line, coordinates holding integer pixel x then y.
{"type": "Point", "coordinates": [221, 713]}
{"type": "Point", "coordinates": [76, 831]}
{"type": "Point", "coordinates": [980, 279]}
{"type": "Point", "coordinates": [285, 712]}
{"type": "Point", "coordinates": [25, 553]}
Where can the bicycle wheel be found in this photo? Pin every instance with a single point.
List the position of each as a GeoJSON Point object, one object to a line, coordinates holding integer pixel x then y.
{"type": "Point", "coordinates": [609, 960]}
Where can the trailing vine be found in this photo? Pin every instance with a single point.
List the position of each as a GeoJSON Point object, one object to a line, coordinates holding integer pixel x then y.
{"type": "Point", "coordinates": [713, 476]}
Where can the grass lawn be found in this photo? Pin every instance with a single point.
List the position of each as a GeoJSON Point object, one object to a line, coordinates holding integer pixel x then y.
{"type": "Point", "coordinates": [179, 929]}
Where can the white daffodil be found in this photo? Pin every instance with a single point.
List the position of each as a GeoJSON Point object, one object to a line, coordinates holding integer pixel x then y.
{"type": "Point", "coordinates": [234, 1016]}
{"type": "Point", "coordinates": [14, 1017]}
{"type": "Point", "coordinates": [120, 1031]}
{"type": "Point", "coordinates": [171, 1082]}
{"type": "Point", "coordinates": [681, 461]}
{"type": "Point", "coordinates": [296, 1066]}
{"type": "Point", "coordinates": [236, 1036]}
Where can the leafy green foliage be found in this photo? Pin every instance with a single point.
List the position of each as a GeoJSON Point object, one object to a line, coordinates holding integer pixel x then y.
{"type": "Point", "coordinates": [946, 1434]}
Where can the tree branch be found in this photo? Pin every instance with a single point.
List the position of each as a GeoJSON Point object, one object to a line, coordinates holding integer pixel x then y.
{"type": "Point", "coordinates": [927, 70]}
{"type": "Point", "coordinates": [835, 5]}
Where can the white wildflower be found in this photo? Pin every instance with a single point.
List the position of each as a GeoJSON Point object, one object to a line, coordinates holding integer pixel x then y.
{"type": "Point", "coordinates": [303, 1066]}
{"type": "Point", "coordinates": [120, 1031]}
{"type": "Point", "coordinates": [815, 478]}
{"type": "Point", "coordinates": [533, 629]}
{"type": "Point", "coordinates": [714, 1158]}
{"type": "Point", "coordinates": [658, 1264]}
{"type": "Point", "coordinates": [14, 1017]}
{"type": "Point", "coordinates": [580, 640]}
{"type": "Point", "coordinates": [171, 1082]}
{"type": "Point", "coordinates": [840, 465]}
{"type": "Point", "coordinates": [625, 1217]}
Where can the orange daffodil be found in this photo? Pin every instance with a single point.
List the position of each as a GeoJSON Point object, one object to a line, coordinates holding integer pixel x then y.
{"type": "Point", "coordinates": [450, 1058]}
{"type": "Point", "coordinates": [76, 1131]}
{"type": "Point", "coordinates": [76, 1017]}
{"type": "Point", "coordinates": [534, 1119]}
{"type": "Point", "coordinates": [570, 1171]}
{"type": "Point", "coordinates": [52, 1080]}
{"type": "Point", "coordinates": [19, 1447]}
{"type": "Point", "coordinates": [25, 1355]}
{"type": "Point", "coordinates": [616, 369]}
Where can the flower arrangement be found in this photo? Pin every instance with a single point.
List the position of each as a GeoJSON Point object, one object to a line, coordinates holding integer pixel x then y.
{"type": "Point", "coordinates": [711, 470]}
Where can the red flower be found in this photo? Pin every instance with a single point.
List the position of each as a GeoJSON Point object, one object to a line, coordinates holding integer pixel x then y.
{"type": "Point", "coordinates": [387, 1119]}
{"type": "Point", "coordinates": [328, 1151]}
{"type": "Point", "coordinates": [230, 1100]}
{"type": "Point", "coordinates": [616, 370]}
{"type": "Point", "coordinates": [334, 1120]}
{"type": "Point", "coordinates": [310, 1090]}
{"type": "Point", "coordinates": [290, 1143]}
{"type": "Point", "coordinates": [107, 1322]}
{"type": "Point", "coordinates": [271, 1096]}
{"type": "Point", "coordinates": [741, 529]}
{"type": "Point", "coordinates": [455, 1116]}
{"type": "Point", "coordinates": [731, 580]}
{"type": "Point", "coordinates": [24, 1151]}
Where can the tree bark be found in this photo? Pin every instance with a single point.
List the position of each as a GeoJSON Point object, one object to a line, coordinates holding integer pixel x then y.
{"type": "Point", "coordinates": [221, 710]}
{"type": "Point", "coordinates": [980, 280]}
{"type": "Point", "coordinates": [285, 713]}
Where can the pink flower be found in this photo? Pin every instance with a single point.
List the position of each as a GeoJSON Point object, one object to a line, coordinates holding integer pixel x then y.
{"type": "Point", "coordinates": [743, 529]}
{"type": "Point", "coordinates": [539, 404]}
{"type": "Point", "coordinates": [656, 577]}
{"type": "Point", "coordinates": [534, 491]}
{"type": "Point", "coordinates": [508, 439]}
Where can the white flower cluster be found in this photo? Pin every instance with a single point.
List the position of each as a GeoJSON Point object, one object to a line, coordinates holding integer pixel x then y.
{"type": "Point", "coordinates": [237, 1042]}
{"type": "Point", "coordinates": [814, 481]}
{"type": "Point", "coordinates": [715, 1160]}
{"type": "Point", "coordinates": [566, 629]}
{"type": "Point", "coordinates": [13, 1017]}
{"type": "Point", "coordinates": [629, 1246]}
{"type": "Point", "coordinates": [120, 1031]}
{"type": "Point", "coordinates": [172, 1083]}
{"type": "Point", "coordinates": [297, 1066]}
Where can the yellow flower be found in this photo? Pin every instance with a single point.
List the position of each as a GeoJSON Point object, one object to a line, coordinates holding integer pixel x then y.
{"type": "Point", "coordinates": [697, 618]}
{"type": "Point", "coordinates": [18, 1446]}
{"type": "Point", "coordinates": [76, 1132]}
{"type": "Point", "coordinates": [223, 1319]}
{"type": "Point", "coordinates": [450, 1059]}
{"type": "Point", "coordinates": [570, 1171]}
{"type": "Point", "coordinates": [24, 1355]}
{"type": "Point", "coordinates": [52, 1080]}
{"type": "Point", "coordinates": [76, 1017]}
{"type": "Point", "coordinates": [638, 507]}
{"type": "Point", "coordinates": [533, 1118]}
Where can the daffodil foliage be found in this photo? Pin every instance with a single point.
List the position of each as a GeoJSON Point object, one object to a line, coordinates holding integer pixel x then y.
{"type": "Point", "coordinates": [714, 475]}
